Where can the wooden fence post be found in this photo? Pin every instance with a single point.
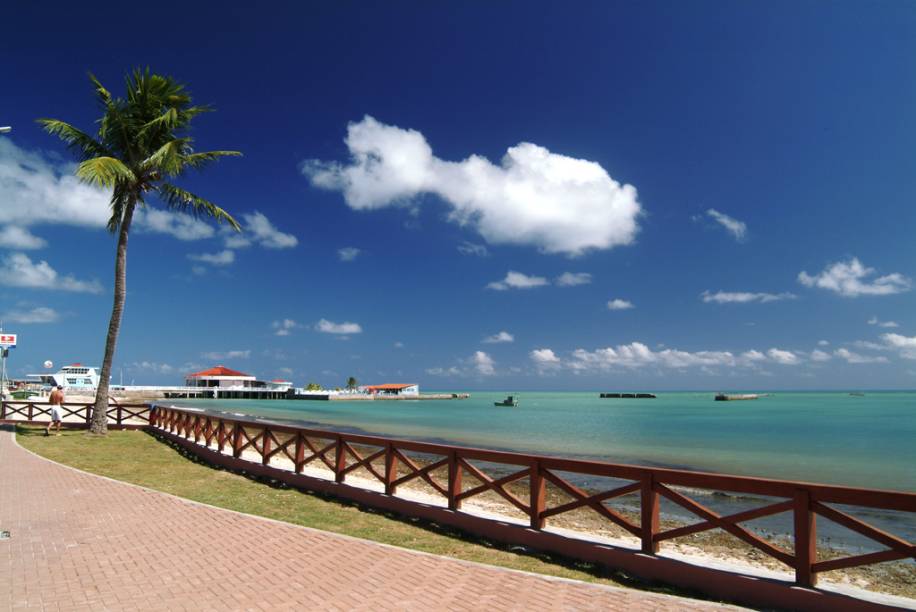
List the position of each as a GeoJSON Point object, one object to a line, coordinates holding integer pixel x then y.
{"type": "Point", "coordinates": [538, 501]}
{"type": "Point", "coordinates": [649, 510]}
{"type": "Point", "coordinates": [265, 447]}
{"type": "Point", "coordinates": [300, 454]}
{"type": "Point", "coordinates": [118, 416]}
{"type": "Point", "coordinates": [340, 460]}
{"type": "Point", "coordinates": [805, 539]}
{"type": "Point", "coordinates": [2, 409]}
{"type": "Point", "coordinates": [236, 440]}
{"type": "Point", "coordinates": [391, 469]}
{"type": "Point", "coordinates": [31, 406]}
{"type": "Point", "coordinates": [454, 481]}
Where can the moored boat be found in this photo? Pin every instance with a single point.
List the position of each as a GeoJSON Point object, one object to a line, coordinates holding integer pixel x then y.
{"type": "Point", "coordinates": [509, 401]}
{"type": "Point", "coordinates": [725, 397]}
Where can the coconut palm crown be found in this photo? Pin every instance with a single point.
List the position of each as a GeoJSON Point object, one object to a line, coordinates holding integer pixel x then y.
{"type": "Point", "coordinates": [141, 145]}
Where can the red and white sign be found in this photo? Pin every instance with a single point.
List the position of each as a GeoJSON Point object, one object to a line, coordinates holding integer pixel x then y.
{"type": "Point", "coordinates": [7, 340]}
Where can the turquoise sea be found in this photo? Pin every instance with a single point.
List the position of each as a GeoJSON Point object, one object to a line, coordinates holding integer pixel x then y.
{"type": "Point", "coordinates": [830, 437]}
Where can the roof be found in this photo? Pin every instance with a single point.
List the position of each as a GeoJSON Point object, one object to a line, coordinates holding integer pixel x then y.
{"type": "Point", "coordinates": [279, 380]}
{"type": "Point", "coordinates": [390, 387]}
{"type": "Point", "coordinates": [217, 371]}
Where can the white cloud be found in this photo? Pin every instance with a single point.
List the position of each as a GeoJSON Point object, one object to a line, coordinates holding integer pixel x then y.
{"type": "Point", "coordinates": [743, 297]}
{"type": "Point", "coordinates": [517, 280]}
{"type": "Point", "coordinates": [470, 248]}
{"type": "Point", "coordinates": [849, 279]}
{"type": "Point", "coordinates": [499, 338]}
{"type": "Point", "coordinates": [39, 314]}
{"type": "Point", "coordinates": [348, 253]}
{"type": "Point", "coordinates": [905, 344]}
{"type": "Point", "coordinates": [736, 228]}
{"type": "Point", "coordinates": [452, 371]}
{"type": "Point", "coordinates": [398, 345]}
{"type": "Point", "coordinates": [151, 366]}
{"type": "Point", "coordinates": [35, 190]}
{"type": "Point", "coordinates": [618, 304]}
{"type": "Point", "coordinates": [257, 228]}
{"type": "Point", "coordinates": [782, 357]}
{"type": "Point", "coordinates": [559, 204]}
{"type": "Point", "coordinates": [545, 359]}
{"type": "Point", "coordinates": [875, 321]}
{"type": "Point", "coordinates": [820, 356]}
{"type": "Point", "coordinates": [851, 357]}
{"type": "Point", "coordinates": [217, 355]}
{"type": "Point", "coordinates": [176, 224]}
{"type": "Point", "coordinates": [345, 328]}
{"type": "Point", "coordinates": [572, 279]}
{"type": "Point", "coordinates": [18, 270]}
{"type": "Point", "coordinates": [14, 237]}
{"type": "Point", "coordinates": [222, 258]}
{"type": "Point", "coordinates": [483, 363]}
{"type": "Point", "coordinates": [823, 343]}
{"type": "Point", "coordinates": [284, 327]}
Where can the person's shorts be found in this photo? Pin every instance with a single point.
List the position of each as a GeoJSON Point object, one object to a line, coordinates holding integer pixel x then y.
{"type": "Point", "coordinates": [55, 413]}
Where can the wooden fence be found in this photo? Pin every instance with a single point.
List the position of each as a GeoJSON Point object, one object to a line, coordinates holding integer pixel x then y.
{"type": "Point", "coordinates": [123, 416]}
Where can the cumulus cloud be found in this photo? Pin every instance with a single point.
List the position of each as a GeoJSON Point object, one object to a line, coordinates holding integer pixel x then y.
{"type": "Point", "coordinates": [545, 359]}
{"type": "Point", "coordinates": [346, 328]}
{"type": "Point", "coordinates": [151, 366]}
{"type": "Point", "coordinates": [471, 248]}
{"type": "Point", "coordinates": [875, 321]}
{"type": "Point", "coordinates": [499, 338]}
{"type": "Point", "coordinates": [638, 355]}
{"type": "Point", "coordinates": [517, 280]}
{"type": "Point", "coordinates": [618, 304]}
{"type": "Point", "coordinates": [483, 363]}
{"type": "Point", "coordinates": [39, 314]}
{"type": "Point", "coordinates": [905, 344]}
{"type": "Point", "coordinates": [218, 355]}
{"type": "Point", "coordinates": [782, 357]}
{"type": "Point", "coordinates": [736, 228]}
{"type": "Point", "coordinates": [856, 358]}
{"type": "Point", "coordinates": [534, 197]}
{"type": "Point", "coordinates": [222, 258]}
{"type": "Point", "coordinates": [14, 237]}
{"type": "Point", "coordinates": [284, 327]}
{"type": "Point", "coordinates": [572, 279]}
{"type": "Point", "coordinates": [348, 253]}
{"type": "Point", "coordinates": [257, 229]}
{"type": "Point", "coordinates": [823, 343]}
{"type": "Point", "coordinates": [18, 270]}
{"type": "Point", "coordinates": [852, 279]}
{"type": "Point", "coordinates": [35, 190]}
{"type": "Point", "coordinates": [820, 356]}
{"type": "Point", "coordinates": [743, 297]}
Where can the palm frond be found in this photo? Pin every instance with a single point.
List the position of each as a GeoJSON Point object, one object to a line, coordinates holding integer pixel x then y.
{"type": "Point", "coordinates": [103, 94]}
{"type": "Point", "coordinates": [205, 158]}
{"type": "Point", "coordinates": [86, 145]}
{"type": "Point", "coordinates": [104, 172]}
{"type": "Point", "coordinates": [185, 201]}
{"type": "Point", "coordinates": [168, 159]}
{"type": "Point", "coordinates": [167, 120]}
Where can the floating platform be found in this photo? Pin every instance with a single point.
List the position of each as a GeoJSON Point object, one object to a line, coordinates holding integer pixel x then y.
{"type": "Point", "coordinates": [627, 396]}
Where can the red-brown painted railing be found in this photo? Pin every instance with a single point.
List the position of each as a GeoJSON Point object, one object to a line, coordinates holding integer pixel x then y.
{"type": "Point", "coordinates": [338, 453]}
{"type": "Point", "coordinates": [118, 414]}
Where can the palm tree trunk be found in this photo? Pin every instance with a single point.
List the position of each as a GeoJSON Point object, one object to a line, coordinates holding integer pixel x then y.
{"type": "Point", "coordinates": [99, 423]}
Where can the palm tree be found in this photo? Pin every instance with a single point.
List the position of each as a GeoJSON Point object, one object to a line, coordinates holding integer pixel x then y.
{"type": "Point", "coordinates": [140, 146]}
{"type": "Point", "coordinates": [352, 383]}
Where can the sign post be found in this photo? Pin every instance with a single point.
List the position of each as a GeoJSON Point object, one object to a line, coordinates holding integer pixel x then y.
{"type": "Point", "coordinates": [7, 341]}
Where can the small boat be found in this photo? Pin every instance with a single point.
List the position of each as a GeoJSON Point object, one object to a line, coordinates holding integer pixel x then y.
{"type": "Point", "coordinates": [724, 397]}
{"type": "Point", "coordinates": [509, 401]}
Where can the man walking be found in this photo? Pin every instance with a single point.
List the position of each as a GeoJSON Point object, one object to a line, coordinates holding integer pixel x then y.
{"type": "Point", "coordinates": [56, 399]}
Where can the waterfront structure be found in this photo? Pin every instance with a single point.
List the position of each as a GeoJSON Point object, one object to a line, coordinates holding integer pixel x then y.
{"type": "Point", "coordinates": [392, 389]}
{"type": "Point", "coordinates": [76, 377]}
{"type": "Point", "coordinates": [221, 376]}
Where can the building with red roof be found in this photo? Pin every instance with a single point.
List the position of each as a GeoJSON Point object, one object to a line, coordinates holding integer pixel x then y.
{"type": "Point", "coordinates": [221, 376]}
{"type": "Point", "coordinates": [393, 389]}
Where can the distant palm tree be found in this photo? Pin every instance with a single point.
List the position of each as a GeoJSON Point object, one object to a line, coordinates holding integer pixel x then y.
{"type": "Point", "coordinates": [141, 144]}
{"type": "Point", "coordinates": [352, 383]}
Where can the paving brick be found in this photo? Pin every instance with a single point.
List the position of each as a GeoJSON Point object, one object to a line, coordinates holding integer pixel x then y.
{"type": "Point", "coordinates": [81, 542]}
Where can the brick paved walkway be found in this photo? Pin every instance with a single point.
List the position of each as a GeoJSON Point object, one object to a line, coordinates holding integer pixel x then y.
{"type": "Point", "coordinates": [84, 542]}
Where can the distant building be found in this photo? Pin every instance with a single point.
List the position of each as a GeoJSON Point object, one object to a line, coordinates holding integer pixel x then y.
{"type": "Point", "coordinates": [280, 385]}
{"type": "Point", "coordinates": [221, 376]}
{"type": "Point", "coordinates": [393, 389]}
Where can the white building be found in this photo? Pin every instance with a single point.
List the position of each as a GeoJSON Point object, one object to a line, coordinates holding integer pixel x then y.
{"type": "Point", "coordinates": [393, 389]}
{"type": "Point", "coordinates": [221, 376]}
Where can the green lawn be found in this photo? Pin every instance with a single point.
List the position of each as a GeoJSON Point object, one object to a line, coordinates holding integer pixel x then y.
{"type": "Point", "coordinates": [139, 458]}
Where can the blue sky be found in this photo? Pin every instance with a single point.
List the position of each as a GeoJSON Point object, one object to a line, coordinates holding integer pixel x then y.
{"type": "Point", "coordinates": [511, 195]}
